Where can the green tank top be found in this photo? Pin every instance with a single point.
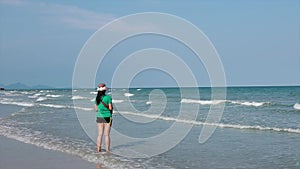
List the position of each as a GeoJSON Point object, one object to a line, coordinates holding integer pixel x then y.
{"type": "Point", "coordinates": [102, 110]}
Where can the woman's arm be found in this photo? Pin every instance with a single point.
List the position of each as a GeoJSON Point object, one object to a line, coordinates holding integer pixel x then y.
{"type": "Point", "coordinates": [96, 107]}
{"type": "Point", "coordinates": [110, 107]}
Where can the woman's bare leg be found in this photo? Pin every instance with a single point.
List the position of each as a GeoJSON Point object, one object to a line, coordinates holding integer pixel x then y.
{"type": "Point", "coordinates": [99, 138]}
{"type": "Point", "coordinates": [107, 136]}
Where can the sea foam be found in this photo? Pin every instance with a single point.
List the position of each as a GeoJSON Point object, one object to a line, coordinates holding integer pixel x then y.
{"type": "Point", "coordinates": [203, 102]}
{"type": "Point", "coordinates": [78, 98]}
{"type": "Point", "coordinates": [128, 94]}
{"type": "Point", "coordinates": [220, 125]}
{"type": "Point", "coordinates": [53, 95]}
{"type": "Point", "coordinates": [117, 101]}
{"type": "Point", "coordinates": [35, 95]}
{"type": "Point", "coordinates": [41, 99]}
{"type": "Point", "coordinates": [247, 103]}
{"type": "Point", "coordinates": [297, 106]}
{"type": "Point", "coordinates": [54, 106]}
{"type": "Point", "coordinates": [11, 102]}
{"type": "Point", "coordinates": [213, 102]}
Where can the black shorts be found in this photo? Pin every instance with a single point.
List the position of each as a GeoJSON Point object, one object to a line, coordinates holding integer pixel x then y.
{"type": "Point", "coordinates": [104, 119]}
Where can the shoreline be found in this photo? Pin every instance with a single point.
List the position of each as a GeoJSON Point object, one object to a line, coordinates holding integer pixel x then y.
{"type": "Point", "coordinates": [15, 154]}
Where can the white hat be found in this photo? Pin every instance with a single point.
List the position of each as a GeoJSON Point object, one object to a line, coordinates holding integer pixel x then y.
{"type": "Point", "coordinates": [101, 87]}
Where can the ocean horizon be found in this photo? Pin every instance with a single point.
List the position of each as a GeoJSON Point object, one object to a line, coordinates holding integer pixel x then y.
{"type": "Point", "coordinates": [45, 87]}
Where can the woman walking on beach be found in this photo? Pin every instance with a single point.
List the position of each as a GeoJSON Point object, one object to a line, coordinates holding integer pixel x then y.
{"type": "Point", "coordinates": [104, 108]}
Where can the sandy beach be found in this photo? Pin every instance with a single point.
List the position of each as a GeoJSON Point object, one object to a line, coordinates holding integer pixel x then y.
{"type": "Point", "coordinates": [16, 155]}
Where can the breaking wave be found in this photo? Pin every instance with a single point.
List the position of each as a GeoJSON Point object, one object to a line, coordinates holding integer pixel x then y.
{"type": "Point", "coordinates": [203, 102]}
{"type": "Point", "coordinates": [117, 101]}
{"type": "Point", "coordinates": [54, 106]}
{"type": "Point", "coordinates": [35, 95]}
{"type": "Point", "coordinates": [256, 104]}
{"type": "Point", "coordinates": [53, 95]}
{"type": "Point", "coordinates": [79, 98]}
{"type": "Point", "coordinates": [220, 125]}
{"type": "Point", "coordinates": [128, 94]}
{"type": "Point", "coordinates": [9, 101]}
{"type": "Point", "coordinates": [297, 106]}
{"type": "Point", "coordinates": [212, 102]}
{"type": "Point", "coordinates": [41, 99]}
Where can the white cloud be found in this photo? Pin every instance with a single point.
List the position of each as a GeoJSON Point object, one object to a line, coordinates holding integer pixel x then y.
{"type": "Point", "coordinates": [71, 16]}
{"type": "Point", "coordinates": [77, 17]}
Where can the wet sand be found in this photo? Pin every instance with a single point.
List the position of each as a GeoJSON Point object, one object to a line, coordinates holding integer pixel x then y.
{"type": "Point", "coordinates": [16, 155]}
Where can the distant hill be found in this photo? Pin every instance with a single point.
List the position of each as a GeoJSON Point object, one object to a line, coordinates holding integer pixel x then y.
{"type": "Point", "coordinates": [24, 86]}
{"type": "Point", "coordinates": [16, 86]}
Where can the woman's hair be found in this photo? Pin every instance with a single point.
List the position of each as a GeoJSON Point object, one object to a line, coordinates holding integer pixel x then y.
{"type": "Point", "coordinates": [99, 96]}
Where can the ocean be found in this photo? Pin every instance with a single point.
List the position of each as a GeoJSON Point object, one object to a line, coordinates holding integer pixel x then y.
{"type": "Point", "coordinates": [259, 127]}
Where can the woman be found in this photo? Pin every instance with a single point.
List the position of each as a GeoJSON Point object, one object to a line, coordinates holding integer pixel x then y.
{"type": "Point", "coordinates": [104, 109]}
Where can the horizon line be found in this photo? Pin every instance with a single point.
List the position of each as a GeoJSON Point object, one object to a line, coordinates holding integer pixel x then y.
{"type": "Point", "coordinates": [149, 87]}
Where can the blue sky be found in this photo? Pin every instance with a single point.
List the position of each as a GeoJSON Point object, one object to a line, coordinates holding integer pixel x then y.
{"type": "Point", "coordinates": [258, 41]}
